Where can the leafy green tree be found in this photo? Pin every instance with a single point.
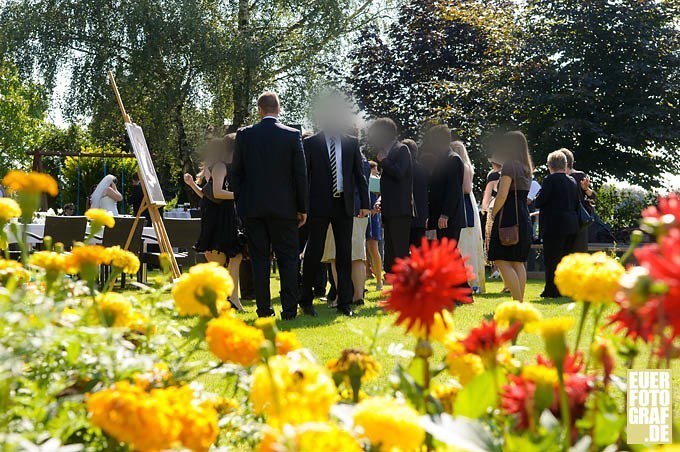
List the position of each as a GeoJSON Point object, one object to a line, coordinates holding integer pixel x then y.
{"type": "Point", "coordinates": [22, 111]}
{"type": "Point", "coordinates": [602, 78]}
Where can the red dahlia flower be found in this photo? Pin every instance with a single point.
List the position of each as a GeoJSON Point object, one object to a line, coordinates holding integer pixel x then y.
{"type": "Point", "coordinates": [517, 400]}
{"type": "Point", "coordinates": [428, 282]}
{"type": "Point", "coordinates": [486, 339]}
{"type": "Point", "coordinates": [667, 206]}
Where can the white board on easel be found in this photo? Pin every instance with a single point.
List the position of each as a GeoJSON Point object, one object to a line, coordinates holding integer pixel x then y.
{"type": "Point", "coordinates": [146, 169]}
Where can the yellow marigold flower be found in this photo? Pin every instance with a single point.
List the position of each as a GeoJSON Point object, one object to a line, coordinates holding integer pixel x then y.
{"type": "Point", "coordinates": [224, 405]}
{"type": "Point", "coordinates": [286, 342]}
{"type": "Point", "coordinates": [140, 323]}
{"type": "Point", "coordinates": [199, 426]}
{"type": "Point", "coordinates": [592, 278]}
{"type": "Point", "coordinates": [354, 362]}
{"type": "Point", "coordinates": [554, 332]}
{"type": "Point", "coordinates": [203, 290]}
{"type": "Point", "coordinates": [126, 261]}
{"type": "Point", "coordinates": [446, 394]}
{"type": "Point", "coordinates": [13, 269]}
{"type": "Point", "coordinates": [389, 424]}
{"type": "Point", "coordinates": [145, 421]}
{"type": "Point", "coordinates": [310, 437]}
{"type": "Point", "coordinates": [115, 309]}
{"type": "Point", "coordinates": [232, 340]}
{"type": "Point", "coordinates": [100, 218]}
{"type": "Point", "coordinates": [86, 255]}
{"type": "Point", "coordinates": [553, 328]}
{"type": "Point", "coordinates": [9, 209]}
{"type": "Point", "coordinates": [51, 262]}
{"type": "Point", "coordinates": [33, 182]}
{"type": "Point", "coordinates": [513, 311]}
{"type": "Point", "coordinates": [461, 365]}
{"type": "Point", "coordinates": [442, 327]}
{"type": "Point", "coordinates": [540, 375]}
{"type": "Point", "coordinates": [296, 391]}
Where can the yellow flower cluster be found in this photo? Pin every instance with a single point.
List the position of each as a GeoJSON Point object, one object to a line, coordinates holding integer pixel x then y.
{"type": "Point", "coordinates": [124, 260]}
{"type": "Point", "coordinates": [8, 209]}
{"type": "Point", "coordinates": [232, 340]}
{"type": "Point", "coordinates": [291, 391]}
{"type": "Point", "coordinates": [286, 342]}
{"type": "Point", "coordinates": [203, 290]}
{"type": "Point", "coordinates": [19, 181]}
{"type": "Point", "coordinates": [154, 420]}
{"type": "Point", "coordinates": [355, 362]}
{"type": "Point", "coordinates": [115, 309]}
{"type": "Point", "coordinates": [100, 218]}
{"type": "Point", "coordinates": [446, 394]}
{"type": "Point", "coordinates": [540, 375]}
{"type": "Point", "coordinates": [389, 424]}
{"type": "Point", "coordinates": [513, 311]}
{"type": "Point", "coordinates": [461, 365]}
{"type": "Point", "coordinates": [12, 269]}
{"type": "Point", "coordinates": [310, 437]}
{"type": "Point", "coordinates": [53, 263]}
{"type": "Point", "coordinates": [592, 278]}
{"type": "Point", "coordinates": [554, 328]}
{"type": "Point", "coordinates": [442, 327]}
{"type": "Point", "coordinates": [86, 256]}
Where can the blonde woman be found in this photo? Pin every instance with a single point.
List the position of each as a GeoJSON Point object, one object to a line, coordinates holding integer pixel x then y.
{"type": "Point", "coordinates": [471, 243]}
{"type": "Point", "coordinates": [510, 213]}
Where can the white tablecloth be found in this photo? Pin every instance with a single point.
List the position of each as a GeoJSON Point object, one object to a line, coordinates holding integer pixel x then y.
{"type": "Point", "coordinates": [177, 213]}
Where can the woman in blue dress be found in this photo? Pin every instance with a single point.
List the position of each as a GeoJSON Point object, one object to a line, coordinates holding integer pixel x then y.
{"type": "Point", "coordinates": [374, 231]}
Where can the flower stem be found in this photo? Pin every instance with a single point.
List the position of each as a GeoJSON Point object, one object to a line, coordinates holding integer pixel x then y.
{"type": "Point", "coordinates": [582, 321]}
{"type": "Point", "coordinates": [564, 411]}
{"type": "Point", "coordinates": [598, 315]}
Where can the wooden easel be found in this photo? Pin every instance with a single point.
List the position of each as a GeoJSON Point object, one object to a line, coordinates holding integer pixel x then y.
{"type": "Point", "coordinates": [153, 208]}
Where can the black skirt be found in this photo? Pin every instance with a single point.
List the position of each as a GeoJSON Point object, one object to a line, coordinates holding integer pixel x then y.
{"type": "Point", "coordinates": [520, 251]}
{"type": "Point", "coordinates": [220, 228]}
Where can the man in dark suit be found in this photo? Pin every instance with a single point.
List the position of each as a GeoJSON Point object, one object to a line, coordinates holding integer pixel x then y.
{"type": "Point", "coordinates": [447, 199]}
{"type": "Point", "coordinates": [270, 188]}
{"type": "Point", "coordinates": [421, 179]}
{"type": "Point", "coordinates": [335, 173]}
{"type": "Point", "coordinates": [558, 201]}
{"type": "Point", "coordinates": [396, 188]}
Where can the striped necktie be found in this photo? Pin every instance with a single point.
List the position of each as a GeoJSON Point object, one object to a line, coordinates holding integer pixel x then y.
{"type": "Point", "coordinates": [334, 165]}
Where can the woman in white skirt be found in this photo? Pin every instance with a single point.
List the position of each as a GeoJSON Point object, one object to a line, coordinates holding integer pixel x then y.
{"type": "Point", "coordinates": [471, 243]}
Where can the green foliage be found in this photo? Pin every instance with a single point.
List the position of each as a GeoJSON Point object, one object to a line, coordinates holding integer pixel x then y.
{"type": "Point", "coordinates": [598, 77]}
{"type": "Point", "coordinates": [620, 206]}
{"type": "Point", "coordinates": [22, 110]}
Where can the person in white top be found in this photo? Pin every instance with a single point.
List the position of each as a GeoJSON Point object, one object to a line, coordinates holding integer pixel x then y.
{"type": "Point", "coordinates": [106, 196]}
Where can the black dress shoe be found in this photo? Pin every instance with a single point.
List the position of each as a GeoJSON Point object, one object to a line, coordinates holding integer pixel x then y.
{"type": "Point", "coordinates": [310, 311]}
{"type": "Point", "coordinates": [287, 316]}
{"type": "Point", "coordinates": [359, 302]}
{"type": "Point", "coordinates": [346, 310]}
{"type": "Point", "coordinates": [267, 314]}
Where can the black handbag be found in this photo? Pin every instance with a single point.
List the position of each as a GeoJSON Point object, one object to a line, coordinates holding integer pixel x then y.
{"type": "Point", "coordinates": [585, 219]}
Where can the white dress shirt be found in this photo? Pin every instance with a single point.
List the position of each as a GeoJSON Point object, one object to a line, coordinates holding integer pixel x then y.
{"type": "Point", "coordinates": [338, 158]}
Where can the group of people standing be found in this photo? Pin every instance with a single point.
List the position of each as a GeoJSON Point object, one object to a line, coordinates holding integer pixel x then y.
{"type": "Point", "coordinates": [258, 187]}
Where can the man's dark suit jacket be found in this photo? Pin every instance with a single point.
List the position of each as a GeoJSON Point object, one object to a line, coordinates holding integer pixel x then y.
{"type": "Point", "coordinates": [446, 192]}
{"type": "Point", "coordinates": [320, 180]}
{"type": "Point", "coordinates": [396, 182]}
{"type": "Point", "coordinates": [269, 176]}
{"type": "Point", "coordinates": [558, 201]}
{"type": "Point", "coordinates": [421, 180]}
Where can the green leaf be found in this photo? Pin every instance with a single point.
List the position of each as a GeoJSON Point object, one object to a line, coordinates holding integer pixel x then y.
{"type": "Point", "coordinates": [479, 395]}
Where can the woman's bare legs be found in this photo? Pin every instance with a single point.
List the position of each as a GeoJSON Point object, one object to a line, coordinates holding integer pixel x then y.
{"type": "Point", "coordinates": [221, 259]}
{"type": "Point", "coordinates": [511, 279]}
{"type": "Point", "coordinates": [358, 279]}
{"type": "Point", "coordinates": [376, 262]}
{"type": "Point", "coordinates": [334, 273]}
{"type": "Point", "coordinates": [521, 271]}
{"type": "Point", "coordinates": [234, 267]}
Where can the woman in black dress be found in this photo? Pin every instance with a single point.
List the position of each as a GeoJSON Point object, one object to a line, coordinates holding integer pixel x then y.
{"type": "Point", "coordinates": [220, 240]}
{"type": "Point", "coordinates": [510, 209]}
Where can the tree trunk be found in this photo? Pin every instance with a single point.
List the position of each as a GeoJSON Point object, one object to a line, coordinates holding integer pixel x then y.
{"type": "Point", "coordinates": [241, 79]}
{"type": "Point", "coordinates": [184, 151]}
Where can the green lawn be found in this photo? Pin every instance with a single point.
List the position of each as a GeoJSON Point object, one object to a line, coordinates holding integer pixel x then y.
{"type": "Point", "coordinates": [329, 333]}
